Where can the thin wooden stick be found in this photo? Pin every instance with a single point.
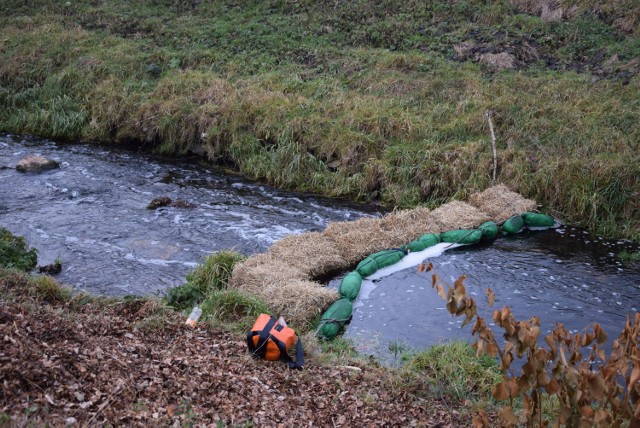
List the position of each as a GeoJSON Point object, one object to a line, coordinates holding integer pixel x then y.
{"type": "Point", "coordinates": [493, 145]}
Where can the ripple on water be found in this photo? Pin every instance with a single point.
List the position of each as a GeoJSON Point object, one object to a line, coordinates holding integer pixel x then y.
{"type": "Point", "coordinates": [91, 213]}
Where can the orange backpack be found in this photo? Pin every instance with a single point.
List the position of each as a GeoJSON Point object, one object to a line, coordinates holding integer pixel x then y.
{"type": "Point", "coordinates": [270, 340]}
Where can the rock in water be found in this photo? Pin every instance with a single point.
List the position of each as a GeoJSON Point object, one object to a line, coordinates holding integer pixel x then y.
{"type": "Point", "coordinates": [161, 201]}
{"type": "Point", "coordinates": [52, 269]}
{"type": "Point", "coordinates": [32, 163]}
{"type": "Point", "coordinates": [179, 203]}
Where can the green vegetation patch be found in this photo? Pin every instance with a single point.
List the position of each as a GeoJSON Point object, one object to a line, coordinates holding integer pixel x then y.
{"type": "Point", "coordinates": [454, 370]}
{"type": "Point", "coordinates": [209, 276]}
{"type": "Point", "coordinates": [206, 287]}
{"type": "Point", "coordinates": [15, 253]}
{"type": "Point", "coordinates": [626, 256]}
{"type": "Point", "coordinates": [215, 271]}
{"type": "Point", "coordinates": [233, 309]}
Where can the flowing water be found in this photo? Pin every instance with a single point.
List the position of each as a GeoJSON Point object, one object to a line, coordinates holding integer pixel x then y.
{"type": "Point", "coordinates": [91, 213]}
{"type": "Point", "coordinates": [560, 275]}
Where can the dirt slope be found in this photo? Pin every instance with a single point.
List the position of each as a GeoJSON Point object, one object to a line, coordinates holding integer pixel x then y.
{"type": "Point", "coordinates": [125, 363]}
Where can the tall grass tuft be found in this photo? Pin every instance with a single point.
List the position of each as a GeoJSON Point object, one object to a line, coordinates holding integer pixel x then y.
{"type": "Point", "coordinates": [15, 253]}
{"type": "Point", "coordinates": [208, 277]}
{"type": "Point", "coordinates": [49, 289]}
{"type": "Point", "coordinates": [232, 308]}
{"type": "Point", "coordinates": [454, 370]}
{"type": "Point", "coordinates": [215, 271]}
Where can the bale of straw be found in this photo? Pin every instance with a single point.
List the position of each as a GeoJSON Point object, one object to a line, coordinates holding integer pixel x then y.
{"type": "Point", "coordinates": [407, 225]}
{"type": "Point", "coordinates": [458, 215]}
{"type": "Point", "coordinates": [311, 253]}
{"type": "Point", "coordinates": [501, 203]}
{"type": "Point", "coordinates": [261, 271]}
{"type": "Point", "coordinates": [298, 301]}
{"type": "Point", "coordinates": [357, 239]}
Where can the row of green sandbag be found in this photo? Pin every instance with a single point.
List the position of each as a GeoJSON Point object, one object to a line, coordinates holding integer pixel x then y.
{"type": "Point", "coordinates": [339, 313]}
{"type": "Point", "coordinates": [518, 222]}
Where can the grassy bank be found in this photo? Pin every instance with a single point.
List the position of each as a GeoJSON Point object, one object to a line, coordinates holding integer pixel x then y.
{"type": "Point", "coordinates": [367, 100]}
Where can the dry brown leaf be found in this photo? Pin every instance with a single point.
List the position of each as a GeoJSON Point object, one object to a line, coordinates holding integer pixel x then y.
{"type": "Point", "coordinates": [499, 391]}
{"type": "Point", "coordinates": [507, 417]}
{"type": "Point", "coordinates": [491, 297]}
{"type": "Point", "coordinates": [171, 410]}
{"type": "Point", "coordinates": [480, 420]}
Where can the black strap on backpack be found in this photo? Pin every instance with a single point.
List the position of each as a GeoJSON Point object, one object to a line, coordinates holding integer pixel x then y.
{"type": "Point", "coordinates": [260, 349]}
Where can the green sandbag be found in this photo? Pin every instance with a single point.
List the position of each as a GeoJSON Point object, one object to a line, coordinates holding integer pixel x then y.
{"type": "Point", "coordinates": [350, 285]}
{"type": "Point", "coordinates": [489, 230]}
{"type": "Point", "coordinates": [538, 220]}
{"type": "Point", "coordinates": [378, 260]}
{"type": "Point", "coordinates": [415, 246]}
{"type": "Point", "coordinates": [513, 225]}
{"type": "Point", "coordinates": [338, 314]}
{"type": "Point", "coordinates": [429, 239]}
{"type": "Point", "coordinates": [425, 241]}
{"type": "Point", "coordinates": [462, 236]}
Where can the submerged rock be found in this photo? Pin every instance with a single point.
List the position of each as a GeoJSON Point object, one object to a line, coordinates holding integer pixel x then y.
{"type": "Point", "coordinates": [32, 163]}
{"type": "Point", "coordinates": [161, 201]}
{"type": "Point", "coordinates": [164, 201]}
{"type": "Point", "coordinates": [52, 269]}
{"type": "Point", "coordinates": [183, 204]}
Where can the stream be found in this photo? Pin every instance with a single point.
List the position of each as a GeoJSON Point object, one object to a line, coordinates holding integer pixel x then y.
{"type": "Point", "coordinates": [92, 214]}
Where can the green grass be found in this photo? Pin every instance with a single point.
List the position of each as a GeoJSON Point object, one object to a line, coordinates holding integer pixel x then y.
{"type": "Point", "coordinates": [627, 256]}
{"type": "Point", "coordinates": [453, 370]}
{"type": "Point", "coordinates": [353, 99]}
{"type": "Point", "coordinates": [232, 309]}
{"type": "Point", "coordinates": [49, 289]}
{"type": "Point", "coordinates": [15, 253]}
{"type": "Point", "coordinates": [206, 287]}
{"type": "Point", "coordinates": [209, 276]}
{"type": "Point", "coordinates": [215, 271]}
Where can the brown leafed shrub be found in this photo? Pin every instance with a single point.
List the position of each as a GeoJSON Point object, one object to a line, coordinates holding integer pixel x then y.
{"type": "Point", "coordinates": [592, 389]}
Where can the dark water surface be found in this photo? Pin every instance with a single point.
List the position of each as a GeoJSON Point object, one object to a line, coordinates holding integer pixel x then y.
{"type": "Point", "coordinates": [91, 213]}
{"type": "Point", "coordinates": [561, 275]}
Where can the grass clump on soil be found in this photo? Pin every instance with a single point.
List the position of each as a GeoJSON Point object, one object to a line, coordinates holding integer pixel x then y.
{"type": "Point", "coordinates": [215, 271]}
{"type": "Point", "coordinates": [453, 370]}
{"type": "Point", "coordinates": [209, 276]}
{"type": "Point", "coordinates": [627, 256]}
{"type": "Point", "coordinates": [371, 101]}
{"type": "Point", "coordinates": [15, 253]}
{"type": "Point", "coordinates": [235, 310]}
{"type": "Point", "coordinates": [206, 287]}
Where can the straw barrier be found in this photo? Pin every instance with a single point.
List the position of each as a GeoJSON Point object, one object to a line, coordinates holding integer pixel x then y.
{"type": "Point", "coordinates": [284, 276]}
{"type": "Point", "coordinates": [339, 313]}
